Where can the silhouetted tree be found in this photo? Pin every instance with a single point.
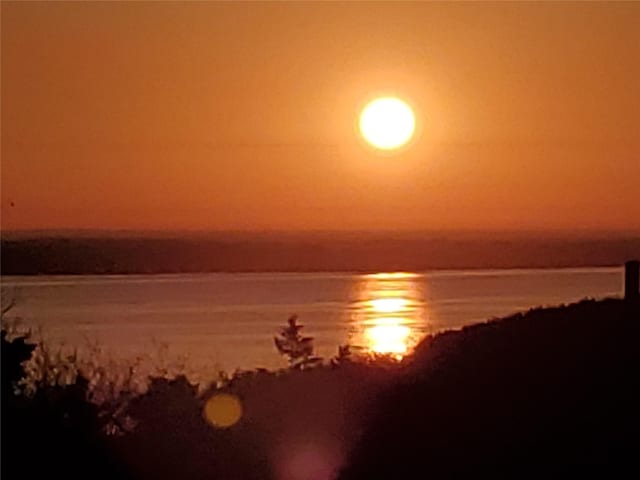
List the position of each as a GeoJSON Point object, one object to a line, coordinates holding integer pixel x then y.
{"type": "Point", "coordinates": [293, 345]}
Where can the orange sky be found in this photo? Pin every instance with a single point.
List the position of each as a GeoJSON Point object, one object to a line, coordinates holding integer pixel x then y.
{"type": "Point", "coordinates": [241, 116]}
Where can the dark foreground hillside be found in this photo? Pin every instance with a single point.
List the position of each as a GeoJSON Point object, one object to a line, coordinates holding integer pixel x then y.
{"type": "Point", "coordinates": [551, 393]}
{"type": "Point", "coordinates": [548, 393]}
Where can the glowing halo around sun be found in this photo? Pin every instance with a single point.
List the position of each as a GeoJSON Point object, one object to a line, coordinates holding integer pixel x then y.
{"type": "Point", "coordinates": [387, 123]}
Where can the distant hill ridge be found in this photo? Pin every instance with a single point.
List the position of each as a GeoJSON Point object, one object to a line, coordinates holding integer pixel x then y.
{"type": "Point", "coordinates": [306, 253]}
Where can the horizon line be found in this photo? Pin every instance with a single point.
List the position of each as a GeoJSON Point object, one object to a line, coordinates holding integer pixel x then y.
{"type": "Point", "coordinates": [110, 232]}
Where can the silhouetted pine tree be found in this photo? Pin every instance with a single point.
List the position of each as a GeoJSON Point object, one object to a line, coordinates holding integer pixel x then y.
{"type": "Point", "coordinates": [297, 348]}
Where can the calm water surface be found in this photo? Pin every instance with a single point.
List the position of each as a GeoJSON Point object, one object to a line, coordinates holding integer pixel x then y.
{"type": "Point", "coordinates": [229, 320]}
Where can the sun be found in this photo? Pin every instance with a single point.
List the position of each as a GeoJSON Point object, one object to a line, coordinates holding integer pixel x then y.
{"type": "Point", "coordinates": [387, 123]}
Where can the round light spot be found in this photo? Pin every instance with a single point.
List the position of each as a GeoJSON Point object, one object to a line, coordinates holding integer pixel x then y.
{"type": "Point", "coordinates": [223, 410]}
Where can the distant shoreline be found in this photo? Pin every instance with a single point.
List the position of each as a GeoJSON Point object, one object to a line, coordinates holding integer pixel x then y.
{"type": "Point", "coordinates": [440, 272]}
{"type": "Point", "coordinates": [307, 253]}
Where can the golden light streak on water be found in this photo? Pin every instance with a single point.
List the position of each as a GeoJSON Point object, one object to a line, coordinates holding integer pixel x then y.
{"type": "Point", "coordinates": [390, 317]}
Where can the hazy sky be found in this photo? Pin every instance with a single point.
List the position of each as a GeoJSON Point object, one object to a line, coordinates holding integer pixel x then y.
{"type": "Point", "coordinates": [242, 116]}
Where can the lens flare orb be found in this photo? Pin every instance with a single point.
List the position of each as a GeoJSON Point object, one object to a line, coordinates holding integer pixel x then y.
{"type": "Point", "coordinates": [223, 410]}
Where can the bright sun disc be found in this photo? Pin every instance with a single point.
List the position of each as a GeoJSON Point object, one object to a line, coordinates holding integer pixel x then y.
{"type": "Point", "coordinates": [387, 123]}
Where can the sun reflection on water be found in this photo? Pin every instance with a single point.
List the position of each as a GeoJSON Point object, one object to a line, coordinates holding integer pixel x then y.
{"type": "Point", "coordinates": [389, 317]}
{"type": "Point", "coordinates": [388, 305]}
{"type": "Point", "coordinates": [390, 338]}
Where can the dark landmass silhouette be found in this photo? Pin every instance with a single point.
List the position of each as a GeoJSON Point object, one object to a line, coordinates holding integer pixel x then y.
{"type": "Point", "coordinates": [355, 252]}
{"type": "Point", "coordinates": [551, 392]}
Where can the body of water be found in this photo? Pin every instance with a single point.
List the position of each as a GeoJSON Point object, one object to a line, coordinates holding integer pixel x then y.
{"type": "Point", "coordinates": [228, 321]}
